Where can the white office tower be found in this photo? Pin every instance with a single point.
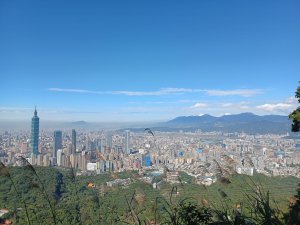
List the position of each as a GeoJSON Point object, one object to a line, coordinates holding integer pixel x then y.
{"type": "Point", "coordinates": [59, 157]}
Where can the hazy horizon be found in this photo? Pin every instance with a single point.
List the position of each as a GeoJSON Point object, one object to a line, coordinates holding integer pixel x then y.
{"type": "Point", "coordinates": [28, 120]}
{"type": "Point", "coordinates": [66, 125]}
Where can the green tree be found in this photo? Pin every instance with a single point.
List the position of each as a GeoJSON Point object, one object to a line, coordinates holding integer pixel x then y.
{"type": "Point", "coordinates": [190, 213]}
{"type": "Point", "coordinates": [295, 115]}
{"type": "Point", "coordinates": [293, 216]}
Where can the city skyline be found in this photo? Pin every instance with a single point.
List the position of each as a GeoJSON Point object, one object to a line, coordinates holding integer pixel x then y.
{"type": "Point", "coordinates": [147, 61]}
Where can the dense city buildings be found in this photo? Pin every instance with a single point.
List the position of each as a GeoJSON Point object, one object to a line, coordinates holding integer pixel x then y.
{"type": "Point", "coordinates": [35, 123]}
{"type": "Point", "coordinates": [190, 152]}
{"type": "Point", "coordinates": [196, 153]}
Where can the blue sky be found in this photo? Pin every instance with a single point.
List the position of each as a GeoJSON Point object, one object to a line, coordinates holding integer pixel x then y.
{"type": "Point", "coordinates": [147, 60]}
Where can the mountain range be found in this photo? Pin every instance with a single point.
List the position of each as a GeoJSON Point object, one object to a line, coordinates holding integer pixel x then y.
{"type": "Point", "coordinates": [244, 122]}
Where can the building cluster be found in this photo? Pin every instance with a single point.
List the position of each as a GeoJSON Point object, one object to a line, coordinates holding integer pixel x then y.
{"type": "Point", "coordinates": [119, 182]}
{"type": "Point", "coordinates": [199, 154]}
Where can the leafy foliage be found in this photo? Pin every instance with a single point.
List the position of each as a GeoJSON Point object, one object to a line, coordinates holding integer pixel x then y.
{"type": "Point", "coordinates": [293, 216]}
{"type": "Point", "coordinates": [73, 202]}
{"type": "Point", "coordinates": [295, 115]}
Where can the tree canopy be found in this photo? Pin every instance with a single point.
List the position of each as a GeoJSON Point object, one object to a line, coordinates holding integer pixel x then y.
{"type": "Point", "coordinates": [295, 115]}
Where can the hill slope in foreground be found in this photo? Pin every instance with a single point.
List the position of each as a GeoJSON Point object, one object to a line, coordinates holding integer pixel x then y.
{"type": "Point", "coordinates": [73, 200]}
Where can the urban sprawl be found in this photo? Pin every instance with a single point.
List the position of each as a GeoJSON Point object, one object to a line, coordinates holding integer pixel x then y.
{"type": "Point", "coordinates": [199, 154]}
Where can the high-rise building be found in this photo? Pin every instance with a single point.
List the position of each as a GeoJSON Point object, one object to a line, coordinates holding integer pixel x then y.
{"type": "Point", "coordinates": [73, 141]}
{"type": "Point", "coordinates": [59, 157]}
{"type": "Point", "coordinates": [127, 141]}
{"type": "Point", "coordinates": [101, 145]}
{"type": "Point", "coordinates": [57, 142]}
{"type": "Point", "coordinates": [109, 140]}
{"type": "Point", "coordinates": [35, 123]}
{"type": "Point", "coordinates": [90, 146]}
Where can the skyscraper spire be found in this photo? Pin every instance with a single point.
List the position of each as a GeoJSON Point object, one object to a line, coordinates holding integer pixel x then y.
{"type": "Point", "coordinates": [35, 123]}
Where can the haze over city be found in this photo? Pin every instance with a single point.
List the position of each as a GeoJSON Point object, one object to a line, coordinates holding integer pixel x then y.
{"type": "Point", "coordinates": [147, 61]}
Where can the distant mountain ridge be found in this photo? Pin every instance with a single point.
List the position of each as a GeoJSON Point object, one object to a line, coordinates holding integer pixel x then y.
{"type": "Point", "coordinates": [240, 118]}
{"type": "Point", "coordinates": [79, 123]}
{"type": "Point", "coordinates": [243, 122]}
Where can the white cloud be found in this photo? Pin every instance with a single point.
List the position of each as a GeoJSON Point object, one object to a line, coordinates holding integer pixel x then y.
{"type": "Point", "coordinates": [166, 91]}
{"type": "Point", "coordinates": [199, 105]}
{"type": "Point", "coordinates": [285, 106]}
{"type": "Point", "coordinates": [244, 107]}
{"type": "Point", "coordinates": [162, 91]}
{"type": "Point", "coordinates": [275, 107]}
{"type": "Point", "coordinates": [75, 90]}
{"type": "Point", "coordinates": [292, 100]}
{"type": "Point", "coordinates": [240, 105]}
{"type": "Point", "coordinates": [239, 92]}
{"type": "Point", "coordinates": [227, 105]}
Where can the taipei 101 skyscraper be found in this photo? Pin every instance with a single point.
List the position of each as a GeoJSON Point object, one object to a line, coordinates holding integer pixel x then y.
{"type": "Point", "coordinates": [35, 123]}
